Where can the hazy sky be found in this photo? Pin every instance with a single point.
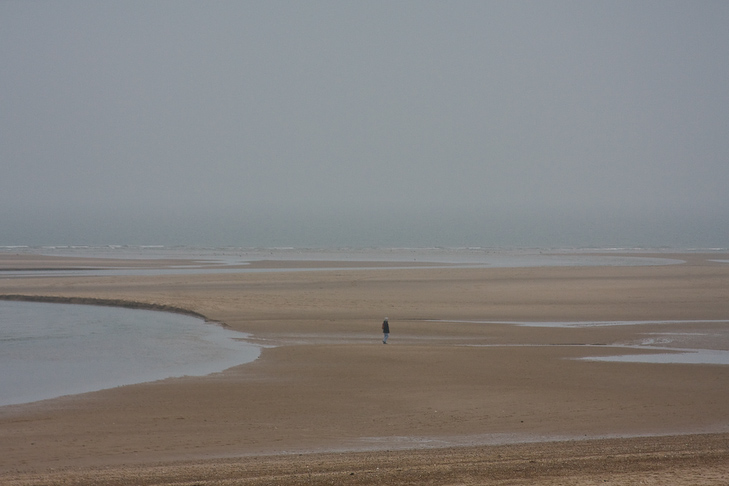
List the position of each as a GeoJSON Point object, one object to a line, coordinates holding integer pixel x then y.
{"type": "Point", "coordinates": [187, 111]}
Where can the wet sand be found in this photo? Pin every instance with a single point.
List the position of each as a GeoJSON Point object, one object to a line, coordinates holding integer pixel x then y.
{"type": "Point", "coordinates": [441, 403]}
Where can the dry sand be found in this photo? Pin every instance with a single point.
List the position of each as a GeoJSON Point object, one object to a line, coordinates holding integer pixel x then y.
{"type": "Point", "coordinates": [442, 403]}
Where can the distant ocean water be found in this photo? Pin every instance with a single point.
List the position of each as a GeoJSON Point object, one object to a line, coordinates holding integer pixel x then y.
{"type": "Point", "coordinates": [50, 350]}
{"type": "Point", "coordinates": [198, 260]}
{"type": "Point", "coordinates": [484, 227]}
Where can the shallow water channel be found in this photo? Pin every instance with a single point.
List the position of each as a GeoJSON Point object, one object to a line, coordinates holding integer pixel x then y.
{"type": "Point", "coordinates": [49, 350]}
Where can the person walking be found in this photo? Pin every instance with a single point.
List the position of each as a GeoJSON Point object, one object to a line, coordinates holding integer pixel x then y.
{"type": "Point", "coordinates": [385, 331]}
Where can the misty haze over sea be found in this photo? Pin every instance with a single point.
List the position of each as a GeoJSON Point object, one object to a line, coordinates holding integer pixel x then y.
{"type": "Point", "coordinates": [362, 230]}
{"type": "Point", "coordinates": [319, 124]}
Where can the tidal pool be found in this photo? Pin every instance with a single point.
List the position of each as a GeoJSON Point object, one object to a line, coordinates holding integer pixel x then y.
{"type": "Point", "coordinates": [49, 350]}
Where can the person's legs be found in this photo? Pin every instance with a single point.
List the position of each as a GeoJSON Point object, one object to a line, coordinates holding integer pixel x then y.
{"type": "Point", "coordinates": [384, 339]}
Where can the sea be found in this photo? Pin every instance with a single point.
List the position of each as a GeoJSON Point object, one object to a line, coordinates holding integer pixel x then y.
{"type": "Point", "coordinates": [49, 350]}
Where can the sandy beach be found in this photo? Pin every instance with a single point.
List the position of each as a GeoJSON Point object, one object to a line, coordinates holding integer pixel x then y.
{"type": "Point", "coordinates": [453, 398]}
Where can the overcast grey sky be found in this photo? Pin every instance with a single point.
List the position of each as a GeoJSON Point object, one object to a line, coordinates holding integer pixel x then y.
{"type": "Point", "coordinates": [187, 111]}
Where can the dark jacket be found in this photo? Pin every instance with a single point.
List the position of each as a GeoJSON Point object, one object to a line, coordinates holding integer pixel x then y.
{"type": "Point", "coordinates": [385, 327]}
